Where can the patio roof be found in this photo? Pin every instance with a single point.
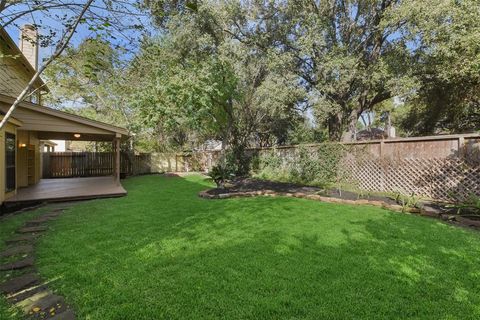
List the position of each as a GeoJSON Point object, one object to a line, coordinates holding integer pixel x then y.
{"type": "Point", "coordinates": [55, 124]}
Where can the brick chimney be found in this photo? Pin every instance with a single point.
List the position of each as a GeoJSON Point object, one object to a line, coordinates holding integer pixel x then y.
{"type": "Point", "coordinates": [29, 44]}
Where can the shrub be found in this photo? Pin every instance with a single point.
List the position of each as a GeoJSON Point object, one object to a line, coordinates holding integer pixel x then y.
{"type": "Point", "coordinates": [316, 165]}
{"type": "Point", "coordinates": [229, 165]}
{"type": "Point", "coordinates": [220, 174]}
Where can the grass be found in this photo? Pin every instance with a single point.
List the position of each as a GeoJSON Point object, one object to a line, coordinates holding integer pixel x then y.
{"type": "Point", "coordinates": [164, 253]}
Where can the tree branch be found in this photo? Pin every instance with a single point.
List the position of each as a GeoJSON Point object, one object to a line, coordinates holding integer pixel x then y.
{"type": "Point", "coordinates": [60, 48]}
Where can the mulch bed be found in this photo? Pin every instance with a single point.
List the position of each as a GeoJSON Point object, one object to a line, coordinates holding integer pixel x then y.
{"type": "Point", "coordinates": [249, 184]}
{"type": "Point", "coordinates": [250, 187]}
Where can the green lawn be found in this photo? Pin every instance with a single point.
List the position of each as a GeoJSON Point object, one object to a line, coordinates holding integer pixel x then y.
{"type": "Point", "coordinates": [164, 253]}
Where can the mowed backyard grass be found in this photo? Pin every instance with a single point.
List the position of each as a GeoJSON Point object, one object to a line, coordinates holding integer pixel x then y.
{"type": "Point", "coordinates": [164, 253]}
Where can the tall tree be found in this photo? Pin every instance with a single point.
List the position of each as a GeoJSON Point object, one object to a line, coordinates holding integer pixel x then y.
{"type": "Point", "coordinates": [348, 53]}
{"type": "Point", "coordinates": [207, 80]}
{"type": "Point", "coordinates": [445, 41]}
{"type": "Point", "coordinates": [91, 79]}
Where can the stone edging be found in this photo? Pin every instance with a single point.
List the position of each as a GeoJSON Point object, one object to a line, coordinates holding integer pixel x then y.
{"type": "Point", "coordinates": [26, 290]}
{"type": "Point", "coordinates": [424, 211]}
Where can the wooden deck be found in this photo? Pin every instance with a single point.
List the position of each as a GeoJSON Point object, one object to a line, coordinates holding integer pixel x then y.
{"type": "Point", "coordinates": [68, 189]}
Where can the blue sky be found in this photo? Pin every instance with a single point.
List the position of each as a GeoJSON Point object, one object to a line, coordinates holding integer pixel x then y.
{"type": "Point", "coordinates": [119, 34]}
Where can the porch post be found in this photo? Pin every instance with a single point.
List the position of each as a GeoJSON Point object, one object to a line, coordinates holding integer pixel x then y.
{"type": "Point", "coordinates": [117, 159]}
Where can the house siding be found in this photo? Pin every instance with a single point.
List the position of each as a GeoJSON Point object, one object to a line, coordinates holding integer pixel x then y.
{"type": "Point", "coordinates": [12, 81]}
{"type": "Point", "coordinates": [11, 129]}
{"type": "Point", "coordinates": [14, 74]}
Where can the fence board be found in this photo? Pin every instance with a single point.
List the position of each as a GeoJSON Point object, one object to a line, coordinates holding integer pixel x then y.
{"type": "Point", "coordinates": [438, 167]}
{"type": "Point", "coordinates": [77, 164]}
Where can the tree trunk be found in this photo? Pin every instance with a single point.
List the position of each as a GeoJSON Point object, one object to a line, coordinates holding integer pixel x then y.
{"type": "Point", "coordinates": [351, 133]}
{"type": "Point", "coordinates": [335, 127]}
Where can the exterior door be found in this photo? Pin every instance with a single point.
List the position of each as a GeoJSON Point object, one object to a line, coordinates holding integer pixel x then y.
{"type": "Point", "coordinates": [10, 162]}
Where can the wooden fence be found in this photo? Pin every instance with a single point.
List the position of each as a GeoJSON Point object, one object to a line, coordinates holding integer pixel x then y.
{"type": "Point", "coordinates": [438, 167]}
{"type": "Point", "coordinates": [91, 164]}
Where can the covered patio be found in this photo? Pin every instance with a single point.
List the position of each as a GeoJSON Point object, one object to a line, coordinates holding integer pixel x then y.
{"type": "Point", "coordinates": [38, 124]}
{"type": "Point", "coordinates": [68, 189]}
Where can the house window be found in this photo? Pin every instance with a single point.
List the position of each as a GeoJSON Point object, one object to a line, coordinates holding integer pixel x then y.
{"type": "Point", "coordinates": [10, 147]}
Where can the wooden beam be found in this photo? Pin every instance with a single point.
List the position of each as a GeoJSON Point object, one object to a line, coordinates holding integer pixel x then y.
{"type": "Point", "coordinates": [461, 147]}
{"type": "Point", "coordinates": [117, 160]}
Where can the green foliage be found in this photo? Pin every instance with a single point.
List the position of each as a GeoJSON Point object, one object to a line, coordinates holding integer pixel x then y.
{"type": "Point", "coordinates": [221, 173]}
{"type": "Point", "coordinates": [260, 74]}
{"type": "Point", "coordinates": [406, 201]}
{"type": "Point", "coordinates": [471, 205]}
{"type": "Point", "coordinates": [446, 65]}
{"type": "Point", "coordinates": [89, 80]}
{"type": "Point", "coordinates": [318, 165]}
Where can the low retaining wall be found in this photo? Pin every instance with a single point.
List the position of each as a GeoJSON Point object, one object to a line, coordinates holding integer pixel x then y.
{"type": "Point", "coordinates": [425, 210]}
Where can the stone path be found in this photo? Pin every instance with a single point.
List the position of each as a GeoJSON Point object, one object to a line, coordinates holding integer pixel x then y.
{"type": "Point", "coordinates": [26, 290]}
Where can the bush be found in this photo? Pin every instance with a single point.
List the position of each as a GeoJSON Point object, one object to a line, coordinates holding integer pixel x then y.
{"type": "Point", "coordinates": [306, 165]}
{"type": "Point", "coordinates": [227, 168]}
{"type": "Point", "coordinates": [220, 174]}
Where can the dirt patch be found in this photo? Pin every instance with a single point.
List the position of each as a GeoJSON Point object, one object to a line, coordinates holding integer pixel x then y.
{"type": "Point", "coordinates": [252, 185]}
{"type": "Point", "coordinates": [257, 185]}
{"type": "Point", "coordinates": [170, 175]}
{"type": "Point", "coordinates": [348, 195]}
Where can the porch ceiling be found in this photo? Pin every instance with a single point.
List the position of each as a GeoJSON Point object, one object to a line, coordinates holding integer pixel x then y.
{"type": "Point", "coordinates": [49, 135]}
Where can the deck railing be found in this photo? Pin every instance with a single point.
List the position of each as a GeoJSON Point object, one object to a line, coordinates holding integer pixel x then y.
{"type": "Point", "coordinates": [91, 164]}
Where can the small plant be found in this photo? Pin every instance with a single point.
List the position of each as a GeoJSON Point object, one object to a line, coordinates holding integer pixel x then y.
{"type": "Point", "coordinates": [410, 201]}
{"type": "Point", "coordinates": [221, 174]}
{"type": "Point", "coordinates": [226, 169]}
{"type": "Point", "coordinates": [471, 205]}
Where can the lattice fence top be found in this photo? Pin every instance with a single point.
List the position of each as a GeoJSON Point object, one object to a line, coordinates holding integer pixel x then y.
{"type": "Point", "coordinates": [442, 179]}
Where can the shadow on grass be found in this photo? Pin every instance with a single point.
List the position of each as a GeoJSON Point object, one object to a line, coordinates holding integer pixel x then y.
{"type": "Point", "coordinates": [163, 252]}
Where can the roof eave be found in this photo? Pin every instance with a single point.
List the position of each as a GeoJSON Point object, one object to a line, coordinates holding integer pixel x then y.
{"type": "Point", "coordinates": [16, 51]}
{"type": "Point", "coordinates": [117, 131]}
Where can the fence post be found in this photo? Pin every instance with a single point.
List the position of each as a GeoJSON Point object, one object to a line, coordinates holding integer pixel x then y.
{"type": "Point", "coordinates": [461, 147]}
{"type": "Point", "coordinates": [383, 166]}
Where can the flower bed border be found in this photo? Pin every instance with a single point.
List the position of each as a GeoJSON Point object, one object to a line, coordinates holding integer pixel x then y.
{"type": "Point", "coordinates": [426, 211]}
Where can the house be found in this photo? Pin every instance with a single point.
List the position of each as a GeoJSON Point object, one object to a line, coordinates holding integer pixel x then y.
{"type": "Point", "coordinates": [32, 123]}
{"type": "Point", "coordinates": [375, 134]}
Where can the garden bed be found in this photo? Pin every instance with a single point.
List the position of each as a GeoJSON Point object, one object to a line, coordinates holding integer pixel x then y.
{"type": "Point", "coordinates": [249, 187]}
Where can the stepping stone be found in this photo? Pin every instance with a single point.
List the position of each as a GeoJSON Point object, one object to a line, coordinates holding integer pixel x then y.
{"type": "Point", "coordinates": [48, 303]}
{"type": "Point", "coordinates": [32, 229]}
{"type": "Point", "coordinates": [29, 302]}
{"type": "Point", "coordinates": [26, 294]}
{"type": "Point", "coordinates": [19, 283]}
{"type": "Point", "coordinates": [40, 220]}
{"type": "Point", "coordinates": [12, 251]}
{"type": "Point", "coordinates": [57, 211]}
{"type": "Point", "coordinates": [66, 315]}
{"type": "Point", "coordinates": [23, 238]}
{"type": "Point", "coordinates": [51, 215]}
{"type": "Point", "coordinates": [20, 264]}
